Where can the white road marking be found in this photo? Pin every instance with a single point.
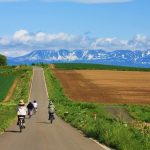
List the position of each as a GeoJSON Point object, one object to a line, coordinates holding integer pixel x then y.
{"type": "Point", "coordinates": [45, 84]}
{"type": "Point", "coordinates": [101, 145]}
{"type": "Point", "coordinates": [31, 86]}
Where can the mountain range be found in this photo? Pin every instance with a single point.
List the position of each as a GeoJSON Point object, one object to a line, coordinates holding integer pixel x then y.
{"type": "Point", "coordinates": [119, 57]}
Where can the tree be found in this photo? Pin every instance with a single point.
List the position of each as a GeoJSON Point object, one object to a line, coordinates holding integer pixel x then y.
{"type": "Point", "coordinates": [3, 60]}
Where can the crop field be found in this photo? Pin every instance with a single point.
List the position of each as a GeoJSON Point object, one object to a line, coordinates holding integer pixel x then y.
{"type": "Point", "coordinates": [74, 66]}
{"type": "Point", "coordinates": [6, 82]}
{"type": "Point", "coordinates": [106, 86]}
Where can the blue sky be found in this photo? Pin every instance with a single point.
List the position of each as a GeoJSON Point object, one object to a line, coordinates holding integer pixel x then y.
{"type": "Point", "coordinates": [26, 25]}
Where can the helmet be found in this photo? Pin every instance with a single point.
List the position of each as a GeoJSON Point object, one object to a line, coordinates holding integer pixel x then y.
{"type": "Point", "coordinates": [21, 102]}
{"type": "Point", "coordinates": [34, 101]}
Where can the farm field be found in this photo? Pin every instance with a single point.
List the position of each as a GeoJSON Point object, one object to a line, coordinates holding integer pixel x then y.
{"type": "Point", "coordinates": [106, 86]}
{"type": "Point", "coordinates": [6, 80]}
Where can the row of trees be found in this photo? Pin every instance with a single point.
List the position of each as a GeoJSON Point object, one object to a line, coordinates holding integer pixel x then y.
{"type": "Point", "coordinates": [3, 60]}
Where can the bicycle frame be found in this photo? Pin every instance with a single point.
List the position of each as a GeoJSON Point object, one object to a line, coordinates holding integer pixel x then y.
{"type": "Point", "coordinates": [21, 123]}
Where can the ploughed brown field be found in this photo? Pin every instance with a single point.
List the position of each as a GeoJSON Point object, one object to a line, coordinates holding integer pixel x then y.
{"type": "Point", "coordinates": [106, 86]}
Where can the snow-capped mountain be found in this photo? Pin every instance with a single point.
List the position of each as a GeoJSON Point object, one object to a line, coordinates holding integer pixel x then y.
{"type": "Point", "coordinates": [118, 57]}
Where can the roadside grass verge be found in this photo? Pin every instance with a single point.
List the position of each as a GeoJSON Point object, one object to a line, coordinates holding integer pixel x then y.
{"type": "Point", "coordinates": [8, 109]}
{"type": "Point", "coordinates": [7, 115]}
{"type": "Point", "coordinates": [103, 128]}
{"type": "Point", "coordinates": [140, 112]}
{"type": "Point", "coordinates": [23, 87]}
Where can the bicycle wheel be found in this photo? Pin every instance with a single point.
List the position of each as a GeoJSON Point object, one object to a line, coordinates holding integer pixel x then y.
{"type": "Point", "coordinates": [51, 120]}
{"type": "Point", "coordinates": [20, 125]}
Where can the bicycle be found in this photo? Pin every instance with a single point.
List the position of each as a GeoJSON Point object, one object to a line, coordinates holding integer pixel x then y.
{"type": "Point", "coordinates": [21, 123]}
{"type": "Point", "coordinates": [51, 117]}
{"type": "Point", "coordinates": [29, 113]}
{"type": "Point", "coordinates": [34, 110]}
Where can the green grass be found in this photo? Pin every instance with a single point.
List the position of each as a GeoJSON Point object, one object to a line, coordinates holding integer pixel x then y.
{"type": "Point", "coordinates": [4, 70]}
{"type": "Point", "coordinates": [7, 115]}
{"type": "Point", "coordinates": [23, 86]}
{"type": "Point", "coordinates": [140, 112]}
{"type": "Point", "coordinates": [71, 66]}
{"type": "Point", "coordinates": [6, 82]}
{"type": "Point", "coordinates": [105, 129]}
{"type": "Point", "coordinates": [7, 69]}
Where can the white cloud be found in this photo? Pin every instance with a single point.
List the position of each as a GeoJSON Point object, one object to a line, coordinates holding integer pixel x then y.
{"type": "Point", "coordinates": [22, 36]}
{"type": "Point", "coordinates": [4, 41]}
{"type": "Point", "coordinates": [139, 42]}
{"type": "Point", "coordinates": [23, 41]}
{"type": "Point", "coordinates": [13, 53]}
{"type": "Point", "coordinates": [109, 44]}
{"type": "Point", "coordinates": [90, 1]}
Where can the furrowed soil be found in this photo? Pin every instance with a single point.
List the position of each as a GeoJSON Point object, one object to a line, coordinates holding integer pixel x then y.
{"type": "Point", "coordinates": [106, 86]}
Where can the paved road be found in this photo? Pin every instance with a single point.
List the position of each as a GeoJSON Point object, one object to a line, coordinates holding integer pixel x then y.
{"type": "Point", "coordinates": [39, 133]}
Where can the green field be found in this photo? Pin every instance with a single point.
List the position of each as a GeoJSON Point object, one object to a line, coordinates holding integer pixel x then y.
{"type": "Point", "coordinates": [7, 77]}
{"type": "Point", "coordinates": [6, 82]}
{"type": "Point", "coordinates": [72, 66]}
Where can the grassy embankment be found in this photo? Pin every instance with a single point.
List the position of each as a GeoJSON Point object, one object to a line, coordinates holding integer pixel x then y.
{"type": "Point", "coordinates": [104, 128]}
{"type": "Point", "coordinates": [8, 109]}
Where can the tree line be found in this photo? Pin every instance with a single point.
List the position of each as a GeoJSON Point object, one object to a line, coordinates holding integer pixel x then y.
{"type": "Point", "coordinates": [3, 60]}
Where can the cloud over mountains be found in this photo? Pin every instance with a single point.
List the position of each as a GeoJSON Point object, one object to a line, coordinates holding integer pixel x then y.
{"type": "Point", "coordinates": [23, 41]}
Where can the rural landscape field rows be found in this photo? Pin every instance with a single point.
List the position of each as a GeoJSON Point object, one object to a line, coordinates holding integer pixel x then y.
{"type": "Point", "coordinates": [106, 86]}
{"type": "Point", "coordinates": [6, 80]}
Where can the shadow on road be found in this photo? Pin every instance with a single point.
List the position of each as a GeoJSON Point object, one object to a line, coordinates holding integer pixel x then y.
{"type": "Point", "coordinates": [13, 131]}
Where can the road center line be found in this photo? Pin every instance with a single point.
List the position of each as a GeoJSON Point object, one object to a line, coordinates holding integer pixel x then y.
{"type": "Point", "coordinates": [45, 84]}
{"type": "Point", "coordinates": [31, 86]}
{"type": "Point", "coordinates": [101, 145]}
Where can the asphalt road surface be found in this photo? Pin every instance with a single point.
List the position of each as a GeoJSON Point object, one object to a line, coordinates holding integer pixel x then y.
{"type": "Point", "coordinates": [39, 133]}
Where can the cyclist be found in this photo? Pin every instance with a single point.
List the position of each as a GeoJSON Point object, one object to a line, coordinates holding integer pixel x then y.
{"type": "Point", "coordinates": [21, 111]}
{"type": "Point", "coordinates": [35, 106]}
{"type": "Point", "coordinates": [30, 108]}
{"type": "Point", "coordinates": [51, 109]}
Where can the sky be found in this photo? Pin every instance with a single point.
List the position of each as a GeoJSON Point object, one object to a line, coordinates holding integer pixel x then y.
{"type": "Point", "coordinates": [27, 25]}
